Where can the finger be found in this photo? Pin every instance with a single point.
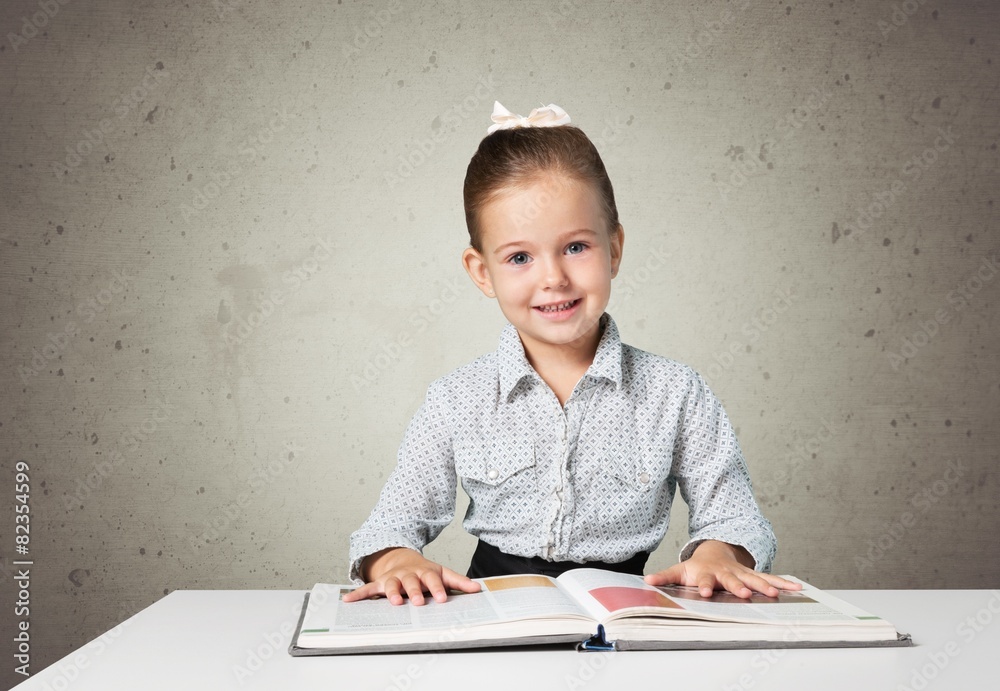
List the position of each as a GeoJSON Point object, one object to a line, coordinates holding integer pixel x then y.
{"type": "Point", "coordinates": [767, 584]}
{"type": "Point", "coordinates": [433, 582]}
{"type": "Point", "coordinates": [414, 588]}
{"type": "Point", "coordinates": [391, 589]}
{"type": "Point", "coordinates": [760, 583]}
{"type": "Point", "coordinates": [782, 583]}
{"type": "Point", "coordinates": [706, 585]}
{"type": "Point", "coordinates": [675, 574]}
{"type": "Point", "coordinates": [736, 585]}
{"type": "Point", "coordinates": [744, 582]}
{"type": "Point", "coordinates": [457, 581]}
{"type": "Point", "coordinates": [362, 592]}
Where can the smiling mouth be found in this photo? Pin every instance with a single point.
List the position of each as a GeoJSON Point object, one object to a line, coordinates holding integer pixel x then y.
{"type": "Point", "coordinates": [559, 307]}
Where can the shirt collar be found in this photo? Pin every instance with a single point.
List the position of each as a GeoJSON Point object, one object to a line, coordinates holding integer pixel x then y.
{"type": "Point", "coordinates": [513, 364]}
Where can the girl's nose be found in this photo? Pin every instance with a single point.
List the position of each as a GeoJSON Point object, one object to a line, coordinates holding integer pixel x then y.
{"type": "Point", "coordinates": [555, 275]}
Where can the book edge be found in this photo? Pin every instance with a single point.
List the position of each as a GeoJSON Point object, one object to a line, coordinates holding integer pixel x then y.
{"type": "Point", "coordinates": [902, 640]}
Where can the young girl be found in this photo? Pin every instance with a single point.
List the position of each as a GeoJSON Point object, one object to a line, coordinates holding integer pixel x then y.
{"type": "Point", "coordinates": [568, 442]}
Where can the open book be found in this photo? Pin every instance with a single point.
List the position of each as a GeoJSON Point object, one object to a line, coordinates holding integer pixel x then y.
{"type": "Point", "coordinates": [593, 608]}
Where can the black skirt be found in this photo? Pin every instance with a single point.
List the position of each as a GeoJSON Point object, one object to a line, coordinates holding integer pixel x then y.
{"type": "Point", "coordinates": [489, 561]}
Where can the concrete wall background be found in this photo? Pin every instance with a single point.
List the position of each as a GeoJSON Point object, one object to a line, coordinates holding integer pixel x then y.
{"type": "Point", "coordinates": [168, 168]}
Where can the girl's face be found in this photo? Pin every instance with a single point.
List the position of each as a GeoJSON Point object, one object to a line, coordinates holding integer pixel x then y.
{"type": "Point", "coordinates": [548, 259]}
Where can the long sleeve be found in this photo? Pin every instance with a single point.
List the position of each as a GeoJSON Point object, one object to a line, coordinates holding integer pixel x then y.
{"type": "Point", "coordinates": [418, 500]}
{"type": "Point", "coordinates": [713, 480]}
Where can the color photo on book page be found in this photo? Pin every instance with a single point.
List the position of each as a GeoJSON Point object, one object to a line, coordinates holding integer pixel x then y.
{"type": "Point", "coordinates": [514, 582]}
{"type": "Point", "coordinates": [614, 598]}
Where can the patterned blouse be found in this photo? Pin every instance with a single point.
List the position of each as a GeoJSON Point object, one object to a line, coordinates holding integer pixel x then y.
{"type": "Point", "coordinates": [591, 480]}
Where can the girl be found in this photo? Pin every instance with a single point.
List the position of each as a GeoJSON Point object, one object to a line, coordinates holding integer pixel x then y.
{"type": "Point", "coordinates": [568, 442]}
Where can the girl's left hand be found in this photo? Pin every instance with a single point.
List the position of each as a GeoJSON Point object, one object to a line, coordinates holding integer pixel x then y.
{"type": "Point", "coordinates": [716, 565]}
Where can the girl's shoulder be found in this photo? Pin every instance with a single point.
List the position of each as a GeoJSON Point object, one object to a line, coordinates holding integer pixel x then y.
{"type": "Point", "coordinates": [643, 365]}
{"type": "Point", "coordinates": [473, 378]}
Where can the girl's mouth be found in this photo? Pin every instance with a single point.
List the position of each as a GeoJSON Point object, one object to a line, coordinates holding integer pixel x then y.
{"type": "Point", "coordinates": [559, 310]}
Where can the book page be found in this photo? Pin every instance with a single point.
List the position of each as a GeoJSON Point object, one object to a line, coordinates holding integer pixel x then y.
{"type": "Point", "coordinates": [632, 610]}
{"type": "Point", "coordinates": [602, 593]}
{"type": "Point", "coordinates": [788, 606]}
{"type": "Point", "coordinates": [502, 599]}
{"type": "Point", "coordinates": [608, 595]}
{"type": "Point", "coordinates": [531, 597]}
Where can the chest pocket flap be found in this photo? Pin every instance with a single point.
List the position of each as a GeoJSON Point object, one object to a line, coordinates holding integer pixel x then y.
{"type": "Point", "coordinates": [493, 461]}
{"type": "Point", "coordinates": [642, 467]}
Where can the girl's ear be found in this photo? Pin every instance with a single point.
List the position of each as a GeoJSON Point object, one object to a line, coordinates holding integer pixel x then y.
{"type": "Point", "coordinates": [475, 266]}
{"type": "Point", "coordinates": [617, 243]}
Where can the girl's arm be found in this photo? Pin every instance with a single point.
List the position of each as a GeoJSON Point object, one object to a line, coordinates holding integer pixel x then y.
{"type": "Point", "coordinates": [731, 544]}
{"type": "Point", "coordinates": [415, 505]}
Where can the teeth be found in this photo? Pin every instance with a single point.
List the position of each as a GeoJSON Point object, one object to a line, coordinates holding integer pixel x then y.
{"type": "Point", "coordinates": [558, 308]}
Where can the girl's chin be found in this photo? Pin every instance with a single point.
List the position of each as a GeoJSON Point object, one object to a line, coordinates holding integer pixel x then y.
{"type": "Point", "coordinates": [563, 332]}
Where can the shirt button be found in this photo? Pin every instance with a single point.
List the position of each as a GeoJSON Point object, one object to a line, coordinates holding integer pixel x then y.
{"type": "Point", "coordinates": [644, 478]}
{"type": "Point", "coordinates": [493, 474]}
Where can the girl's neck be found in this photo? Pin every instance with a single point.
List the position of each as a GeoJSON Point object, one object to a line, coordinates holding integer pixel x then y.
{"type": "Point", "coordinates": [561, 360]}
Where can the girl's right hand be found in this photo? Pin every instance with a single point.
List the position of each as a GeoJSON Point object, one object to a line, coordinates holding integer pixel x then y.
{"type": "Point", "coordinates": [398, 570]}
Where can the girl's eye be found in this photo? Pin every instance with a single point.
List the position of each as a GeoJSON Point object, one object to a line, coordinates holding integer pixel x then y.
{"type": "Point", "coordinates": [579, 245]}
{"type": "Point", "coordinates": [519, 258]}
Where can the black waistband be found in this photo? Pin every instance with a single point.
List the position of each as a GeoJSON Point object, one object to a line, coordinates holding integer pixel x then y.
{"type": "Point", "coordinates": [489, 561]}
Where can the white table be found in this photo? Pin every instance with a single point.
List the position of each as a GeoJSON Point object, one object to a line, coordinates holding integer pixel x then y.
{"type": "Point", "coordinates": [224, 639]}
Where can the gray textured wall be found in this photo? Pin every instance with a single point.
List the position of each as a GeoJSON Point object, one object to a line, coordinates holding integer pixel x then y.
{"type": "Point", "coordinates": [229, 258]}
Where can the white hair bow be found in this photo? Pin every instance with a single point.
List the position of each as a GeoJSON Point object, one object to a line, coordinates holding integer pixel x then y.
{"type": "Point", "coordinates": [546, 116]}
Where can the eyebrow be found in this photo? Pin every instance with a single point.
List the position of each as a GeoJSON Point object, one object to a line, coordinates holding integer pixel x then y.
{"type": "Point", "coordinates": [565, 235]}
